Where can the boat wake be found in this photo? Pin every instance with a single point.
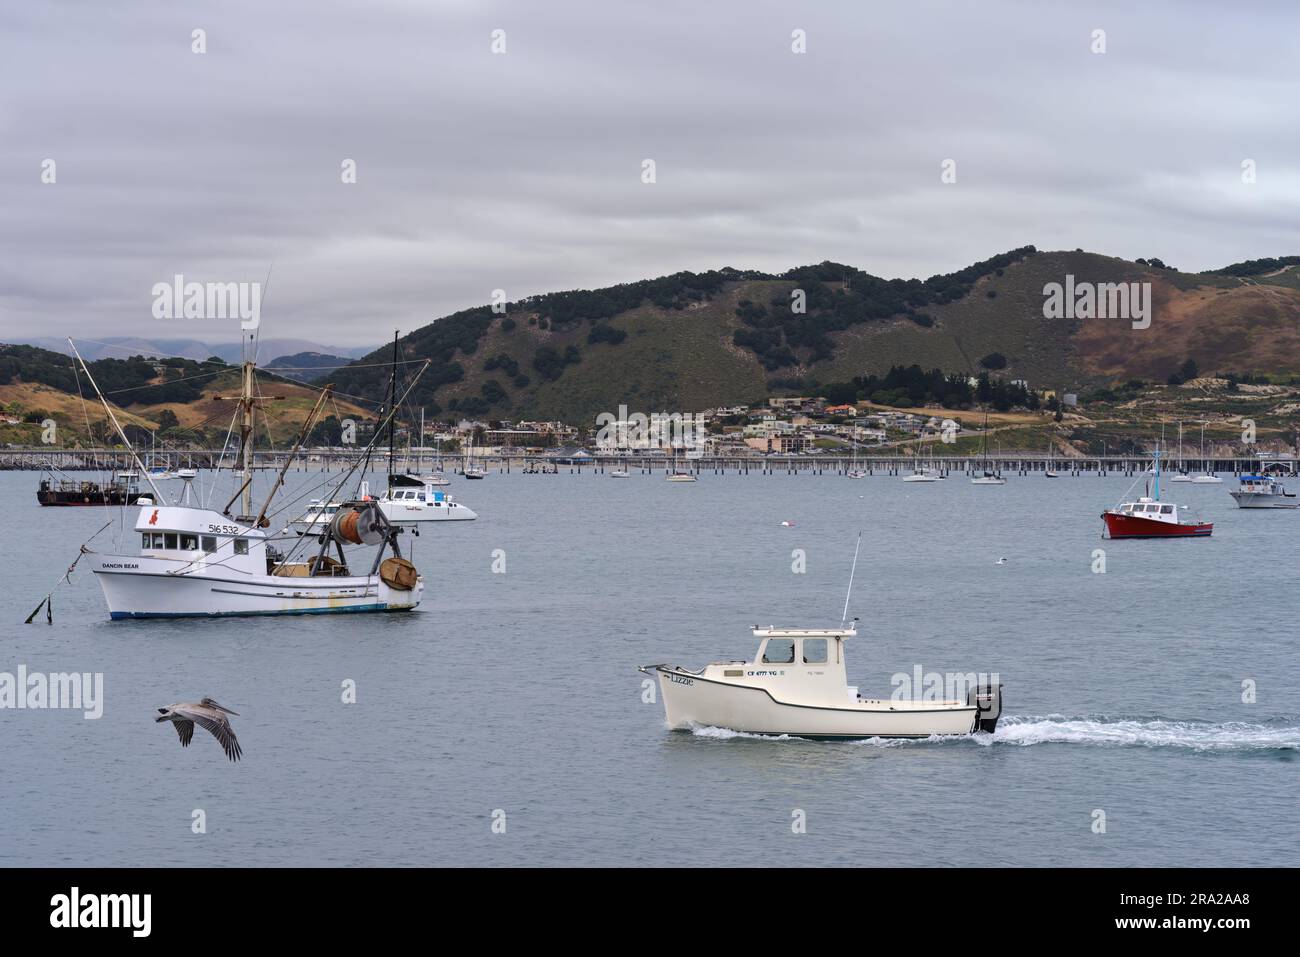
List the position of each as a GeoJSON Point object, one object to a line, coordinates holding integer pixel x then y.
{"type": "Point", "coordinates": [1280, 735]}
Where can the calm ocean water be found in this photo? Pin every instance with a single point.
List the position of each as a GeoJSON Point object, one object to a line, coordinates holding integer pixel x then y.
{"type": "Point", "coordinates": [518, 692]}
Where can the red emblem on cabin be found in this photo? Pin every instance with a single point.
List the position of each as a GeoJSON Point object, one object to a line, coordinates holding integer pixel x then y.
{"type": "Point", "coordinates": [153, 519]}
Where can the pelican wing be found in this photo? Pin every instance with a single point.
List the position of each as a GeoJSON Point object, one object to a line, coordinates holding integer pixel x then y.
{"type": "Point", "coordinates": [185, 729]}
{"type": "Point", "coordinates": [216, 723]}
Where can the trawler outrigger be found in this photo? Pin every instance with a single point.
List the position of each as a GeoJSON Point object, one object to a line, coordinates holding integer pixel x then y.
{"type": "Point", "coordinates": [797, 685]}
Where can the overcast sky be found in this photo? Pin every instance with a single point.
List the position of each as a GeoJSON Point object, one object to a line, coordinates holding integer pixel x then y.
{"type": "Point", "coordinates": [522, 170]}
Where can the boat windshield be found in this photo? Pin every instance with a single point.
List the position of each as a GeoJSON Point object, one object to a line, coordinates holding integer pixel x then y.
{"type": "Point", "coordinates": [779, 651]}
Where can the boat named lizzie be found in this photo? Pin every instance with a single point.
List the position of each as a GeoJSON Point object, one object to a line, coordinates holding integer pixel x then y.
{"type": "Point", "coordinates": [797, 685]}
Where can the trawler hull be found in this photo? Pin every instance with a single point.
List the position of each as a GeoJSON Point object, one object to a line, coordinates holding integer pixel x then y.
{"type": "Point", "coordinates": [141, 587]}
{"type": "Point", "coordinates": [692, 701]}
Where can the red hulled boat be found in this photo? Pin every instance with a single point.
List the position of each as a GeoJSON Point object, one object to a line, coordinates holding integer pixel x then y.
{"type": "Point", "coordinates": [1149, 517]}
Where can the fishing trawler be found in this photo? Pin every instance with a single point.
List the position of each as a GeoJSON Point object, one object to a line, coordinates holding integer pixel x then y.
{"type": "Point", "coordinates": [797, 685]}
{"type": "Point", "coordinates": [1148, 517]}
{"type": "Point", "coordinates": [195, 561]}
{"type": "Point", "coordinates": [123, 489]}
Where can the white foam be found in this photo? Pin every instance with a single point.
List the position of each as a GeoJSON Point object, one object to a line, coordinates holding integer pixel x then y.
{"type": "Point", "coordinates": [1148, 733]}
{"type": "Point", "coordinates": [1282, 735]}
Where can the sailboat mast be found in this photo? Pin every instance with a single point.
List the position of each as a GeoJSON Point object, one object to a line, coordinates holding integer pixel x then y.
{"type": "Point", "coordinates": [392, 411]}
{"type": "Point", "coordinates": [246, 438]}
{"type": "Point", "coordinates": [1157, 488]}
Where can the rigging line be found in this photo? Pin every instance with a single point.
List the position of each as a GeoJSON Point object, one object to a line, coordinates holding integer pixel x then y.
{"type": "Point", "coordinates": [90, 437]}
{"type": "Point", "coordinates": [348, 365]}
{"type": "Point", "coordinates": [158, 385]}
{"type": "Point", "coordinates": [379, 431]}
{"type": "Point", "coordinates": [221, 460]}
{"type": "Point", "coordinates": [266, 416]}
{"type": "Point", "coordinates": [131, 352]}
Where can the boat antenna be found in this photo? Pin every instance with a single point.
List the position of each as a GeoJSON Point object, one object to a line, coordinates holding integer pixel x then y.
{"type": "Point", "coordinates": [845, 616]}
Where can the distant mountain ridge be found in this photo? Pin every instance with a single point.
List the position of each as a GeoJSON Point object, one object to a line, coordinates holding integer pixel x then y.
{"type": "Point", "coordinates": [123, 347]}
{"type": "Point", "coordinates": [307, 366]}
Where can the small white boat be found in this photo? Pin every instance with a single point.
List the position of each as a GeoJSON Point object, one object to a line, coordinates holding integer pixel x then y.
{"type": "Point", "coordinates": [435, 478]}
{"type": "Point", "coordinates": [1050, 474]}
{"type": "Point", "coordinates": [413, 501]}
{"type": "Point", "coordinates": [1263, 491]}
{"type": "Point", "coordinates": [474, 472]}
{"type": "Point", "coordinates": [988, 476]}
{"type": "Point", "coordinates": [855, 474]}
{"type": "Point", "coordinates": [1205, 478]}
{"type": "Point", "coordinates": [923, 475]}
{"type": "Point", "coordinates": [797, 685]}
{"type": "Point", "coordinates": [681, 477]}
{"type": "Point", "coordinates": [618, 473]}
{"type": "Point", "coordinates": [1180, 474]}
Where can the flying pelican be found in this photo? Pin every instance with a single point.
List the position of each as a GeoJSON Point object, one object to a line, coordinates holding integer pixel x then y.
{"type": "Point", "coordinates": [207, 714]}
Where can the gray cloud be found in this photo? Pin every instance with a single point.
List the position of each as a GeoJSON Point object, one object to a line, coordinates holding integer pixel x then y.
{"type": "Point", "coordinates": [522, 172]}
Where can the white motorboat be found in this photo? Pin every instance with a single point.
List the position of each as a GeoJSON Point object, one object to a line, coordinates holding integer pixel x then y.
{"type": "Point", "coordinates": [436, 479]}
{"type": "Point", "coordinates": [414, 501]}
{"type": "Point", "coordinates": [619, 473]}
{"type": "Point", "coordinates": [1263, 491]}
{"type": "Point", "coordinates": [923, 475]}
{"type": "Point", "coordinates": [797, 685]}
{"type": "Point", "coordinates": [681, 477]}
{"type": "Point", "coordinates": [195, 561]}
{"type": "Point", "coordinates": [855, 474]}
{"type": "Point", "coordinates": [988, 478]}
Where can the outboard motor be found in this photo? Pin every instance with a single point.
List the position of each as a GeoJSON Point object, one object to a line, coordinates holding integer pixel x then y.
{"type": "Point", "coordinates": [987, 700]}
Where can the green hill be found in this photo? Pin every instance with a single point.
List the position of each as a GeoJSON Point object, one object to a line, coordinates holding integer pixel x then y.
{"type": "Point", "coordinates": [694, 340]}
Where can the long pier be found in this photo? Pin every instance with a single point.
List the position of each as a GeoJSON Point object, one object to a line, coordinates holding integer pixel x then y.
{"type": "Point", "coordinates": [110, 459]}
